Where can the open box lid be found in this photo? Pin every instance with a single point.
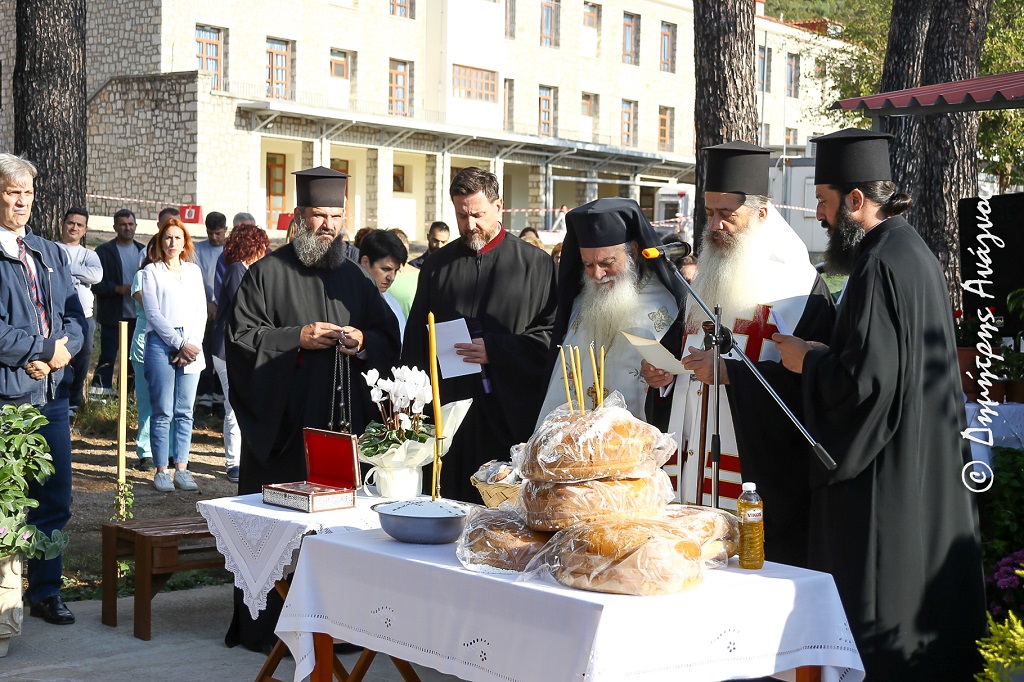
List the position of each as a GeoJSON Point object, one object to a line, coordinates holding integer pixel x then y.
{"type": "Point", "coordinates": [331, 458]}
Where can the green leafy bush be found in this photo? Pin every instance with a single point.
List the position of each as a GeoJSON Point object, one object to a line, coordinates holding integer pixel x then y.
{"type": "Point", "coordinates": [1002, 515]}
{"type": "Point", "coordinates": [1003, 651]}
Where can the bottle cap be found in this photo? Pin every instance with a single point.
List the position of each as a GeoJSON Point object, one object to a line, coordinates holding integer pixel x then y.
{"type": "Point", "coordinates": [749, 487]}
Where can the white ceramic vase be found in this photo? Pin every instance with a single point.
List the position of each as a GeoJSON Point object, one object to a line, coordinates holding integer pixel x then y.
{"type": "Point", "coordinates": [399, 484]}
{"type": "Point", "coordinates": [11, 611]}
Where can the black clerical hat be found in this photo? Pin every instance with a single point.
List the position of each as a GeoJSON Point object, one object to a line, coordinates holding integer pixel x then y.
{"type": "Point", "coordinates": [608, 222]}
{"type": "Point", "coordinates": [737, 167]}
{"type": "Point", "coordinates": [851, 156]}
{"type": "Point", "coordinates": [320, 186]}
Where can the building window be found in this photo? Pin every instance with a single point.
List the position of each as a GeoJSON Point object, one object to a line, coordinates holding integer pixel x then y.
{"type": "Point", "coordinates": [792, 75]}
{"type": "Point", "coordinates": [764, 69]}
{"type": "Point", "coordinates": [398, 179]}
{"type": "Point", "coordinates": [631, 39]}
{"type": "Point", "coordinates": [510, 18]}
{"type": "Point", "coordinates": [276, 174]}
{"type": "Point", "coordinates": [279, 68]}
{"type": "Point", "coordinates": [628, 123]}
{"type": "Point", "coordinates": [478, 84]}
{"type": "Point", "coordinates": [209, 51]}
{"type": "Point", "coordinates": [341, 64]}
{"type": "Point", "coordinates": [399, 86]}
{"type": "Point", "coordinates": [546, 110]}
{"type": "Point", "coordinates": [791, 137]}
{"type": "Point", "coordinates": [591, 15]}
{"type": "Point", "coordinates": [587, 104]}
{"type": "Point", "coordinates": [763, 134]}
{"type": "Point", "coordinates": [403, 8]}
{"type": "Point", "coordinates": [666, 124]}
{"type": "Point", "coordinates": [668, 47]}
{"type": "Point", "coordinates": [510, 96]}
{"type": "Point", "coordinates": [550, 16]}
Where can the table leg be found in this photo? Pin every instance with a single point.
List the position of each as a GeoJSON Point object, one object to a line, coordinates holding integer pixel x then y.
{"type": "Point", "coordinates": [405, 669]}
{"type": "Point", "coordinates": [270, 665]}
{"type": "Point", "coordinates": [323, 650]}
{"type": "Point", "coordinates": [808, 673]}
{"type": "Point", "coordinates": [109, 612]}
{"type": "Point", "coordinates": [362, 665]}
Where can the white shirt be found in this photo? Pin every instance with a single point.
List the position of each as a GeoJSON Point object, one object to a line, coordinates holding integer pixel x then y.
{"type": "Point", "coordinates": [86, 270]}
{"type": "Point", "coordinates": [9, 242]}
{"type": "Point", "coordinates": [171, 303]}
{"type": "Point", "coordinates": [206, 258]}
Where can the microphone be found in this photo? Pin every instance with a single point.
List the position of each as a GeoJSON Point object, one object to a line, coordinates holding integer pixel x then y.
{"type": "Point", "coordinates": [673, 250]}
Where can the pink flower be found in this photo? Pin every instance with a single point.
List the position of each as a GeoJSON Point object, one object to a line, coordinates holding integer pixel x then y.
{"type": "Point", "coordinates": [26, 536]}
{"type": "Point", "coordinates": [3, 531]}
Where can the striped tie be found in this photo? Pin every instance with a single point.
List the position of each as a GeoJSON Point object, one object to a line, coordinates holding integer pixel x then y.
{"type": "Point", "coordinates": [33, 288]}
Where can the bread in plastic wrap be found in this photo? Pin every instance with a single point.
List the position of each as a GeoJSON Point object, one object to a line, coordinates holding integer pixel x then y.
{"type": "Point", "coordinates": [498, 541]}
{"type": "Point", "coordinates": [607, 442]}
{"type": "Point", "coordinates": [554, 506]}
{"type": "Point", "coordinates": [621, 556]}
{"type": "Point", "coordinates": [717, 530]}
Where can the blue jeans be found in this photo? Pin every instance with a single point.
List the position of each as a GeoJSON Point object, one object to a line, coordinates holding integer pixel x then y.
{"type": "Point", "coordinates": [171, 394]}
{"type": "Point", "coordinates": [54, 497]}
{"type": "Point", "coordinates": [145, 410]}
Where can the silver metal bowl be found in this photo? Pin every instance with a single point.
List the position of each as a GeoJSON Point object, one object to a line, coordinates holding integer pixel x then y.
{"type": "Point", "coordinates": [421, 529]}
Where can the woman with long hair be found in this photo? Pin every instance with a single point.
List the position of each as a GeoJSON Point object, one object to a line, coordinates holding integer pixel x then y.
{"type": "Point", "coordinates": [245, 245]}
{"type": "Point", "coordinates": [174, 299]}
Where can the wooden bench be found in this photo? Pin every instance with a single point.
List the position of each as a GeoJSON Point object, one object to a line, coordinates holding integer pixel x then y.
{"type": "Point", "coordinates": [161, 548]}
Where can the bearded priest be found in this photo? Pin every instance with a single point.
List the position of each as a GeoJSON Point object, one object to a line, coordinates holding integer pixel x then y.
{"type": "Point", "coordinates": [606, 288]}
{"type": "Point", "coordinates": [754, 265]}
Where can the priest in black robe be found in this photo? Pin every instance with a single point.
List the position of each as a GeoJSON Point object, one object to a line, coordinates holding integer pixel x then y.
{"type": "Point", "coordinates": [752, 260]}
{"type": "Point", "coordinates": [505, 290]}
{"type": "Point", "coordinates": [894, 524]}
{"type": "Point", "coordinates": [302, 314]}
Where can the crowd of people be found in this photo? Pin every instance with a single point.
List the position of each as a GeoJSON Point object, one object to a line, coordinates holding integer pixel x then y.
{"type": "Point", "coordinates": [289, 331]}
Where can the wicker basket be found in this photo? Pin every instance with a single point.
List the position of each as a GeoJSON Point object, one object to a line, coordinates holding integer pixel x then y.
{"type": "Point", "coordinates": [495, 493]}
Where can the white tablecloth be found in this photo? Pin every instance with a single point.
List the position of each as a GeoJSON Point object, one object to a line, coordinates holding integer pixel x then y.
{"type": "Point", "coordinates": [416, 602]}
{"type": "Point", "coordinates": [259, 541]}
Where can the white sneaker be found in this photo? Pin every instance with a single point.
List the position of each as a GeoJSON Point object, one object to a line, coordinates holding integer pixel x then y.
{"type": "Point", "coordinates": [162, 482]}
{"type": "Point", "coordinates": [183, 480]}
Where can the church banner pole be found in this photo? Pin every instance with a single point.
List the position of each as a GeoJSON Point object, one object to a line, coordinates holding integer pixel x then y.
{"type": "Point", "coordinates": [725, 345]}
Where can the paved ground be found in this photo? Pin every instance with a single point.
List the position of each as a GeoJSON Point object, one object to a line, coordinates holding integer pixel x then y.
{"type": "Point", "coordinates": [187, 645]}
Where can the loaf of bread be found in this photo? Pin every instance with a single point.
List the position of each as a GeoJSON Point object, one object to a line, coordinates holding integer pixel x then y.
{"type": "Point", "coordinates": [608, 442]}
{"type": "Point", "coordinates": [498, 539]}
{"type": "Point", "coordinates": [554, 506]}
{"type": "Point", "coordinates": [717, 530]}
{"type": "Point", "coordinates": [625, 556]}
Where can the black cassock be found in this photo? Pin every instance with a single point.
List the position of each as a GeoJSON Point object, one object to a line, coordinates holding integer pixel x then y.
{"type": "Point", "coordinates": [507, 294]}
{"type": "Point", "coordinates": [278, 388]}
{"type": "Point", "coordinates": [894, 524]}
{"type": "Point", "coordinates": [772, 451]}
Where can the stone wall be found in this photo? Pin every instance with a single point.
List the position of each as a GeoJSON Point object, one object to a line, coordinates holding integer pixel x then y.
{"type": "Point", "coordinates": [123, 40]}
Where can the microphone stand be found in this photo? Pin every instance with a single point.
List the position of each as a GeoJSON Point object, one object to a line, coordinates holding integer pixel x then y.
{"type": "Point", "coordinates": [722, 341]}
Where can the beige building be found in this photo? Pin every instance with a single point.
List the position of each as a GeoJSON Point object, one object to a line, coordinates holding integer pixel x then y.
{"type": "Point", "coordinates": [217, 103]}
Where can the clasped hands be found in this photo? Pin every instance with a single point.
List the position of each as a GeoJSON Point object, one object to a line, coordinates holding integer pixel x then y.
{"type": "Point", "coordinates": [186, 355]}
{"type": "Point", "coordinates": [38, 369]}
{"type": "Point", "coordinates": [323, 335]}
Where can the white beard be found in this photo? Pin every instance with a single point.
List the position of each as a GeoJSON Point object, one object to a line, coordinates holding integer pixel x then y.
{"type": "Point", "coordinates": [728, 275]}
{"type": "Point", "coordinates": [605, 310]}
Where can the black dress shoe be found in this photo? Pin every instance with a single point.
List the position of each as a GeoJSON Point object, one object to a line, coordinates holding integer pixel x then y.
{"type": "Point", "coordinates": [52, 610]}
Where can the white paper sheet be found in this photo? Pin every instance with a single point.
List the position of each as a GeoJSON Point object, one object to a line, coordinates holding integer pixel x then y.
{"type": "Point", "coordinates": [448, 334]}
{"type": "Point", "coordinates": [779, 322]}
{"type": "Point", "coordinates": [653, 352]}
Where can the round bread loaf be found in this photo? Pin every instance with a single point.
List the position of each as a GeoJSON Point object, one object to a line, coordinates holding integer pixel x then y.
{"type": "Point", "coordinates": [626, 556]}
{"type": "Point", "coordinates": [499, 538]}
{"type": "Point", "coordinates": [717, 530]}
{"type": "Point", "coordinates": [608, 442]}
{"type": "Point", "coordinates": [554, 506]}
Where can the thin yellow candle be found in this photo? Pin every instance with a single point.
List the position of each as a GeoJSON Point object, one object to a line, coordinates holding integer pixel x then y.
{"type": "Point", "coordinates": [435, 385]}
{"type": "Point", "coordinates": [579, 378]}
{"type": "Point", "coordinates": [600, 392]}
{"type": "Point", "coordinates": [565, 378]}
{"type": "Point", "coordinates": [597, 377]}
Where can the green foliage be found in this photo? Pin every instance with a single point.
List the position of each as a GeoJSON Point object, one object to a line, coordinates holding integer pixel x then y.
{"type": "Point", "coordinates": [1002, 517]}
{"type": "Point", "coordinates": [378, 439]}
{"type": "Point", "coordinates": [90, 587]}
{"type": "Point", "coordinates": [98, 418]}
{"type": "Point", "coordinates": [1003, 650]}
{"type": "Point", "coordinates": [124, 502]}
{"type": "Point", "coordinates": [1001, 133]}
{"type": "Point", "coordinates": [24, 458]}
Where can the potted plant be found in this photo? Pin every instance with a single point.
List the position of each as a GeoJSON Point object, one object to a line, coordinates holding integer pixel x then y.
{"type": "Point", "coordinates": [24, 458]}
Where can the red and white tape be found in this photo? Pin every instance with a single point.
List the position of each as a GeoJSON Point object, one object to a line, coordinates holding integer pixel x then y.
{"type": "Point", "coordinates": [133, 201]}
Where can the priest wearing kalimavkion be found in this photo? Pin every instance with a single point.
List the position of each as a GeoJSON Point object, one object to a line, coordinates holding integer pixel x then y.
{"type": "Point", "coordinates": [607, 288]}
{"type": "Point", "coordinates": [757, 269]}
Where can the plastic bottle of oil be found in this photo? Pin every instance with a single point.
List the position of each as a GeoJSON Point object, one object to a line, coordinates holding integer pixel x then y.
{"type": "Point", "coordinates": [751, 513]}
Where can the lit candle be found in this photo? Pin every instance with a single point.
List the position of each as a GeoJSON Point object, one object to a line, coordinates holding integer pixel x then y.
{"type": "Point", "coordinates": [600, 391]}
{"type": "Point", "coordinates": [565, 378]}
{"type": "Point", "coordinates": [435, 385]}
{"type": "Point", "coordinates": [597, 377]}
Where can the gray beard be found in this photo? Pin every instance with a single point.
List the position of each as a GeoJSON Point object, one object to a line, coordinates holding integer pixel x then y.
{"type": "Point", "coordinates": [315, 253]}
{"type": "Point", "coordinates": [605, 311]}
{"type": "Point", "coordinates": [727, 275]}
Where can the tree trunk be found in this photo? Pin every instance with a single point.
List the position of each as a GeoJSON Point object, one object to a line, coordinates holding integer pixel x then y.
{"type": "Point", "coordinates": [950, 141]}
{"type": "Point", "coordinates": [49, 105]}
{"type": "Point", "coordinates": [724, 106]}
{"type": "Point", "coordinates": [904, 63]}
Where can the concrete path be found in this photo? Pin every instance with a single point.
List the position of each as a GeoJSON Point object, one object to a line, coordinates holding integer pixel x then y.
{"type": "Point", "coordinates": [187, 645]}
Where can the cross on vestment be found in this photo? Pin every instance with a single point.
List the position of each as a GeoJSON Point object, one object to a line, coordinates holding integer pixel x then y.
{"type": "Point", "coordinates": [757, 330]}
